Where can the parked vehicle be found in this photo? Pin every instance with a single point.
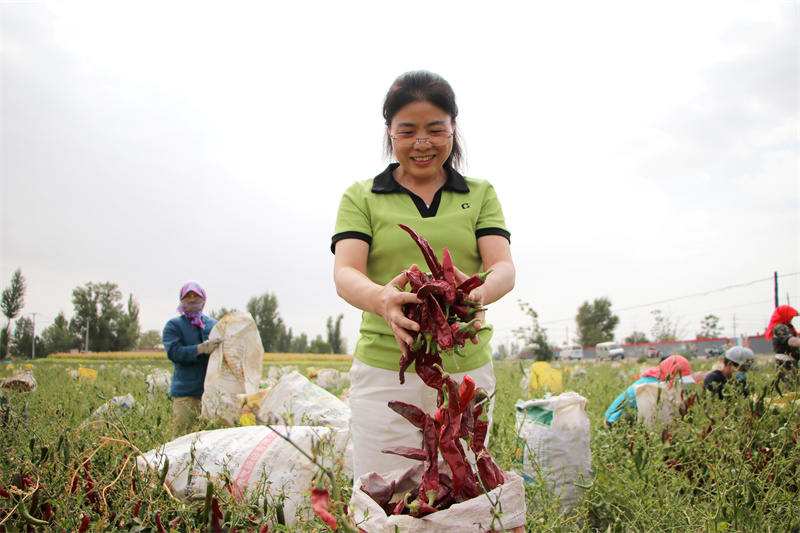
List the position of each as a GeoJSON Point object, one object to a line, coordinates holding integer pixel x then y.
{"type": "Point", "coordinates": [609, 350]}
{"type": "Point", "coordinates": [571, 351]}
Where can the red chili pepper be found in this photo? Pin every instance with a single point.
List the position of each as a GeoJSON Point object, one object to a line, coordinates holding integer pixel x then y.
{"type": "Point", "coordinates": [466, 391]}
{"type": "Point", "coordinates": [159, 526]}
{"type": "Point", "coordinates": [437, 286]}
{"type": "Point", "coordinates": [409, 452]}
{"type": "Point", "coordinates": [441, 328]}
{"type": "Point", "coordinates": [84, 525]}
{"type": "Point", "coordinates": [136, 507]}
{"type": "Point", "coordinates": [319, 502]}
{"type": "Point", "coordinates": [4, 493]}
{"type": "Point", "coordinates": [491, 475]}
{"type": "Point", "coordinates": [473, 282]}
{"type": "Point", "coordinates": [449, 272]}
{"type": "Point", "coordinates": [264, 529]}
{"type": "Point", "coordinates": [427, 252]}
{"type": "Point", "coordinates": [412, 413]}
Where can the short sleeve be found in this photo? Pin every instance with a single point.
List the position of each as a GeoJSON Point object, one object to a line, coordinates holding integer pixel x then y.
{"type": "Point", "coordinates": [491, 220]}
{"type": "Point", "coordinates": [352, 219]}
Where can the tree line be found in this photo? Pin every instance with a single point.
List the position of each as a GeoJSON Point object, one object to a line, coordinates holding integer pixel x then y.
{"type": "Point", "coordinates": [596, 323]}
{"type": "Point", "coordinates": [102, 322]}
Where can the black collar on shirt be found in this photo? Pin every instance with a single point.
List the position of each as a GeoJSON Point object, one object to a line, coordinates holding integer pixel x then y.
{"type": "Point", "coordinates": [385, 182]}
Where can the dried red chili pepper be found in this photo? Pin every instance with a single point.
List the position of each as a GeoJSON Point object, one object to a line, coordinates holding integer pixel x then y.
{"type": "Point", "coordinates": [320, 499]}
{"type": "Point", "coordinates": [473, 282]}
{"type": "Point", "coordinates": [427, 252]}
{"type": "Point", "coordinates": [409, 452]}
{"type": "Point", "coordinates": [159, 526]}
{"type": "Point", "coordinates": [491, 475]}
{"type": "Point", "coordinates": [84, 525]}
{"type": "Point", "coordinates": [449, 272]}
{"type": "Point", "coordinates": [412, 413]}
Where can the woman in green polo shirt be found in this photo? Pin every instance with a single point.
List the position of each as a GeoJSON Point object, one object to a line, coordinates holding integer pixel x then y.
{"type": "Point", "coordinates": [425, 191]}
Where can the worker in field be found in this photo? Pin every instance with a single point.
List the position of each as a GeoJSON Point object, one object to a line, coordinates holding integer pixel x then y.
{"type": "Point", "coordinates": [673, 369]}
{"type": "Point", "coordinates": [736, 363]}
{"type": "Point", "coordinates": [785, 342]}
{"type": "Point", "coordinates": [186, 341]}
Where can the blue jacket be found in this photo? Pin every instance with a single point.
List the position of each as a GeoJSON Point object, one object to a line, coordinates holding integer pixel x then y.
{"type": "Point", "coordinates": [181, 341]}
{"type": "Point", "coordinates": [626, 400]}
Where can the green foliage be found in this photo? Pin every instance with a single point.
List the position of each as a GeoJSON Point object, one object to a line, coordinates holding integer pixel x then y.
{"type": "Point", "coordinates": [99, 314]}
{"type": "Point", "coordinates": [57, 337]}
{"type": "Point", "coordinates": [596, 322]}
{"type": "Point", "coordinates": [335, 335]}
{"type": "Point", "coordinates": [666, 327]}
{"type": "Point", "coordinates": [319, 345]}
{"type": "Point", "coordinates": [217, 314]}
{"type": "Point", "coordinates": [637, 337]}
{"type": "Point", "coordinates": [264, 310]}
{"type": "Point", "coordinates": [150, 339]}
{"type": "Point", "coordinates": [710, 328]}
{"type": "Point", "coordinates": [724, 465]}
{"type": "Point", "coordinates": [12, 302]}
{"type": "Point", "coordinates": [534, 336]}
{"type": "Point", "coordinates": [22, 339]}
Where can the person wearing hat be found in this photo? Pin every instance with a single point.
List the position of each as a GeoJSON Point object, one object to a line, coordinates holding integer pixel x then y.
{"type": "Point", "coordinates": [672, 369]}
{"type": "Point", "coordinates": [785, 341]}
{"type": "Point", "coordinates": [737, 359]}
{"type": "Point", "coordinates": [186, 341]}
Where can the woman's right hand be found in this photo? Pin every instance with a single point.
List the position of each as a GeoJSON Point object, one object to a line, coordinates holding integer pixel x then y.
{"type": "Point", "coordinates": [390, 303]}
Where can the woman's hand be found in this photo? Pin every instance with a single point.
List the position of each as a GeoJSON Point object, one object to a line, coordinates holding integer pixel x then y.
{"type": "Point", "coordinates": [390, 304]}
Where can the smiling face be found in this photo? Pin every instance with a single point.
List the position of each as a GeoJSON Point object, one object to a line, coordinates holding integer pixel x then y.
{"type": "Point", "coordinates": [422, 163]}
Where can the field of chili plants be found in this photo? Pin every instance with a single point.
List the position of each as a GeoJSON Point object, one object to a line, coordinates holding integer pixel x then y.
{"type": "Point", "coordinates": [729, 465]}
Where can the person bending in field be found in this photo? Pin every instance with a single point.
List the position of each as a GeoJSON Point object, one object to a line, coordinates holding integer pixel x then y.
{"type": "Point", "coordinates": [671, 368]}
{"type": "Point", "coordinates": [785, 342]}
{"type": "Point", "coordinates": [186, 340]}
{"type": "Point", "coordinates": [737, 362]}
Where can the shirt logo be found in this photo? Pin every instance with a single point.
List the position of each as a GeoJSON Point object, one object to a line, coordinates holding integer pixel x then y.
{"type": "Point", "coordinates": [465, 205]}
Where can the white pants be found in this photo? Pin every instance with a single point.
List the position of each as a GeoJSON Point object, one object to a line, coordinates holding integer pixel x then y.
{"type": "Point", "coordinates": [374, 426]}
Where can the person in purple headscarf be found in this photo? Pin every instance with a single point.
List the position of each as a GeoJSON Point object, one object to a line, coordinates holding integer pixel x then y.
{"type": "Point", "coordinates": [186, 340]}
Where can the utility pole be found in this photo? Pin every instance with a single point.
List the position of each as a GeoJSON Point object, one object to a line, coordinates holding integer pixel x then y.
{"type": "Point", "coordinates": [33, 336]}
{"type": "Point", "coordinates": [87, 333]}
{"type": "Point", "coordinates": [776, 288]}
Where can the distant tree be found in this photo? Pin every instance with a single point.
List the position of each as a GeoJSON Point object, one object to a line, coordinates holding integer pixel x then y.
{"type": "Point", "coordinates": [335, 334]}
{"type": "Point", "coordinates": [264, 310]}
{"type": "Point", "coordinates": [666, 327]}
{"type": "Point", "coordinates": [128, 329]}
{"type": "Point", "coordinates": [99, 313]}
{"type": "Point", "coordinates": [22, 339]}
{"type": "Point", "coordinates": [285, 341]}
{"type": "Point", "coordinates": [149, 339]}
{"type": "Point", "coordinates": [318, 345]}
{"type": "Point", "coordinates": [13, 301]}
{"type": "Point", "coordinates": [637, 337]}
{"type": "Point", "coordinates": [221, 312]}
{"type": "Point", "coordinates": [57, 337]}
{"type": "Point", "coordinates": [534, 335]}
{"type": "Point", "coordinates": [710, 328]}
{"type": "Point", "coordinates": [299, 344]}
{"type": "Point", "coordinates": [596, 322]}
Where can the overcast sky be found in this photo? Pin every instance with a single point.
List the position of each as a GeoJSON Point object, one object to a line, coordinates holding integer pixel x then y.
{"type": "Point", "coordinates": [647, 152]}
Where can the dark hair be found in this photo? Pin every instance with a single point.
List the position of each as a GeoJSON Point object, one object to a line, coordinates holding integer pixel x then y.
{"type": "Point", "coordinates": [423, 86]}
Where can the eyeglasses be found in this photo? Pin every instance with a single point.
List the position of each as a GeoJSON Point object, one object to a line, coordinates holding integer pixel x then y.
{"type": "Point", "coordinates": [436, 138]}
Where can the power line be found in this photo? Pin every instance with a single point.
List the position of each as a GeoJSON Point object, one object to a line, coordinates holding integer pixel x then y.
{"type": "Point", "coordinates": [684, 297]}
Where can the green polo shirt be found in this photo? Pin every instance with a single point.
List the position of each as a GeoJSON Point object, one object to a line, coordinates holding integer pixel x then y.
{"type": "Point", "coordinates": [463, 210]}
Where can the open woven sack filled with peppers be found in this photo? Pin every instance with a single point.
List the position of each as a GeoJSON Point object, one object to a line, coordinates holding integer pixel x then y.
{"type": "Point", "coordinates": [459, 491]}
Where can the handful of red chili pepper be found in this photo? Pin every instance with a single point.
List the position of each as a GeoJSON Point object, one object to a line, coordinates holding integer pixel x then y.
{"type": "Point", "coordinates": [445, 315]}
{"type": "Point", "coordinates": [460, 421]}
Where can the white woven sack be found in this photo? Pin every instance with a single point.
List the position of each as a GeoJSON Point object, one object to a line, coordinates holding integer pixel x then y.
{"type": "Point", "coordinates": [473, 515]}
{"type": "Point", "coordinates": [657, 402]}
{"type": "Point", "coordinates": [554, 436]}
{"type": "Point", "coordinates": [256, 458]}
{"type": "Point", "coordinates": [295, 400]}
{"type": "Point", "coordinates": [234, 367]}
